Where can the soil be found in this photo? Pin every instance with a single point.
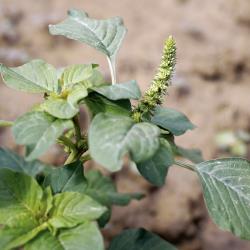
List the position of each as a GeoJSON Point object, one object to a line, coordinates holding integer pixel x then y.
{"type": "Point", "coordinates": [211, 86]}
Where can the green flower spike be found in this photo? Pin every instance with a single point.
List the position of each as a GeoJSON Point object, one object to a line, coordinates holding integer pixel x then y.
{"type": "Point", "coordinates": [154, 95]}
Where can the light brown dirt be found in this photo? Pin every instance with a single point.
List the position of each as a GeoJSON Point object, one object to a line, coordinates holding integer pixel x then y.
{"type": "Point", "coordinates": [211, 86]}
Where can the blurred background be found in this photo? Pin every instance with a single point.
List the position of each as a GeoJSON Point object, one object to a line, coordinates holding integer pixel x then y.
{"type": "Point", "coordinates": [211, 86]}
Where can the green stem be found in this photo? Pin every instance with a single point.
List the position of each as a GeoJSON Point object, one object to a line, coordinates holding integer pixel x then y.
{"type": "Point", "coordinates": [112, 69]}
{"type": "Point", "coordinates": [185, 165]}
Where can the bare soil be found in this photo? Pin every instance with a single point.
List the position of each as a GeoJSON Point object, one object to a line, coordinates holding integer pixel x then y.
{"type": "Point", "coordinates": [211, 86]}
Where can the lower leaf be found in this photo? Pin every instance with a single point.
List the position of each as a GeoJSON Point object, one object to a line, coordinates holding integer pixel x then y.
{"type": "Point", "coordinates": [83, 237]}
{"type": "Point", "coordinates": [226, 186]}
{"type": "Point", "coordinates": [155, 169]}
{"type": "Point", "coordinates": [135, 239]}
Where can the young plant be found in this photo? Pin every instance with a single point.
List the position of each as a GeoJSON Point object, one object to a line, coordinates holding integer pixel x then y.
{"type": "Point", "coordinates": [44, 207]}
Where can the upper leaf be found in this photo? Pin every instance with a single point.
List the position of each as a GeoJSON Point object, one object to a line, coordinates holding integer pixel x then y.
{"type": "Point", "coordinates": [155, 169]}
{"type": "Point", "coordinates": [35, 76]}
{"type": "Point", "coordinates": [104, 35]}
{"type": "Point", "coordinates": [71, 209]}
{"type": "Point", "coordinates": [39, 130]}
{"type": "Point", "coordinates": [127, 90]}
{"type": "Point", "coordinates": [59, 108]}
{"type": "Point", "coordinates": [111, 137]}
{"type": "Point", "coordinates": [83, 237]}
{"type": "Point", "coordinates": [75, 74]}
{"type": "Point", "coordinates": [135, 239]}
{"type": "Point", "coordinates": [172, 120]}
{"type": "Point", "coordinates": [11, 160]}
{"type": "Point", "coordinates": [226, 186]}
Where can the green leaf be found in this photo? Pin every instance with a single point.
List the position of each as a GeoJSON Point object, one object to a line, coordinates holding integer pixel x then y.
{"type": "Point", "coordinates": [44, 241]}
{"type": "Point", "coordinates": [112, 137]}
{"type": "Point", "coordinates": [35, 76]}
{"type": "Point", "coordinates": [83, 237]}
{"type": "Point", "coordinates": [77, 93]}
{"type": "Point", "coordinates": [99, 104]}
{"type": "Point", "coordinates": [155, 169]}
{"type": "Point", "coordinates": [75, 74]}
{"type": "Point", "coordinates": [20, 197]}
{"type": "Point", "coordinates": [104, 35]}
{"type": "Point", "coordinates": [11, 160]}
{"type": "Point", "coordinates": [59, 108]}
{"type": "Point", "coordinates": [13, 237]}
{"type": "Point", "coordinates": [102, 189]}
{"type": "Point", "coordinates": [95, 185]}
{"type": "Point", "coordinates": [127, 90]}
{"type": "Point", "coordinates": [135, 239]}
{"type": "Point", "coordinates": [226, 186]}
{"type": "Point", "coordinates": [72, 208]}
{"type": "Point", "coordinates": [40, 130]}
{"type": "Point", "coordinates": [4, 123]}
{"type": "Point", "coordinates": [67, 178]}
{"type": "Point", "coordinates": [193, 155]}
{"type": "Point", "coordinates": [172, 120]}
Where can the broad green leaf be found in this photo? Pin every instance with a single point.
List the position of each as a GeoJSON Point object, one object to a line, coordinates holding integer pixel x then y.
{"type": "Point", "coordinates": [20, 197]}
{"type": "Point", "coordinates": [72, 208]}
{"type": "Point", "coordinates": [96, 79]}
{"type": "Point", "coordinates": [135, 239]}
{"type": "Point", "coordinates": [112, 137]}
{"type": "Point", "coordinates": [11, 238]}
{"type": "Point", "coordinates": [76, 95]}
{"type": "Point", "coordinates": [7, 235]}
{"type": "Point", "coordinates": [95, 185]}
{"type": "Point", "coordinates": [44, 241]}
{"type": "Point", "coordinates": [75, 74]}
{"type": "Point", "coordinates": [226, 186]}
{"type": "Point", "coordinates": [104, 35]}
{"type": "Point", "coordinates": [10, 160]}
{"type": "Point", "coordinates": [40, 130]}
{"type": "Point", "coordinates": [172, 120]}
{"type": "Point", "coordinates": [67, 178]}
{"type": "Point", "coordinates": [83, 237]}
{"type": "Point", "coordinates": [4, 123]}
{"type": "Point", "coordinates": [65, 107]}
{"type": "Point", "coordinates": [35, 76]}
{"type": "Point", "coordinates": [102, 189]}
{"type": "Point", "coordinates": [99, 104]}
{"type": "Point", "coordinates": [155, 169]}
{"type": "Point", "coordinates": [59, 108]}
{"type": "Point", "coordinates": [127, 90]}
{"type": "Point", "coordinates": [193, 155]}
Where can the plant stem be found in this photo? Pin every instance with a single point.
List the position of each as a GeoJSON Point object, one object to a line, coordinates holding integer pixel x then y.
{"type": "Point", "coordinates": [112, 69]}
{"type": "Point", "coordinates": [77, 128]}
{"type": "Point", "coordinates": [185, 165]}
